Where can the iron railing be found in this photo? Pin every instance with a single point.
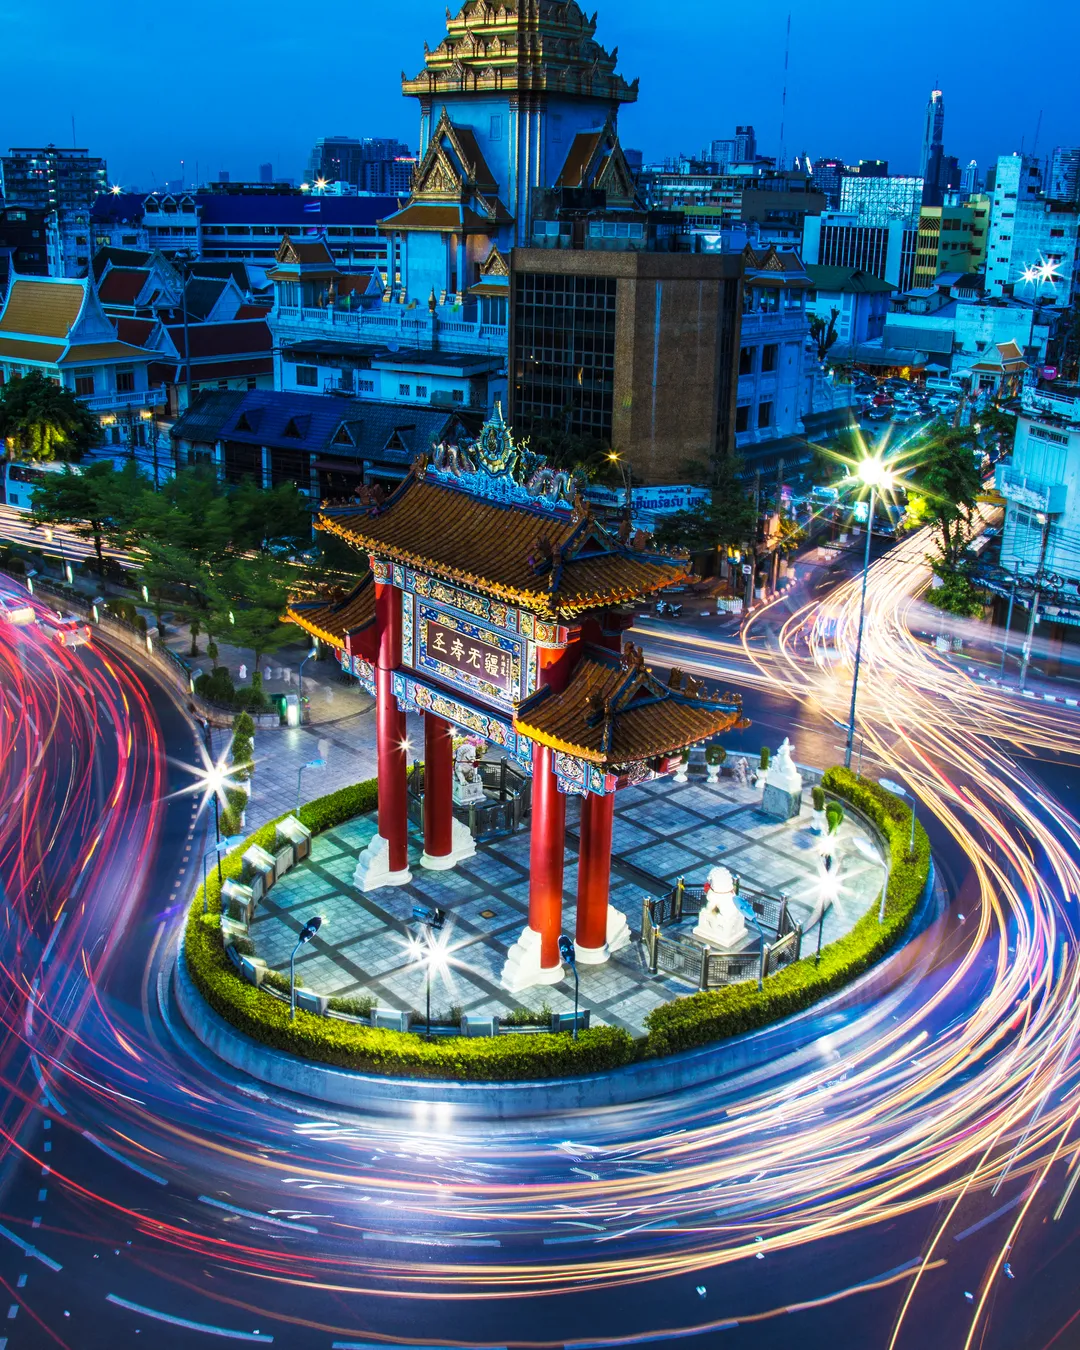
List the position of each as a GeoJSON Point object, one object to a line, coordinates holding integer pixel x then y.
{"type": "Point", "coordinates": [698, 964]}
{"type": "Point", "coordinates": [509, 791]}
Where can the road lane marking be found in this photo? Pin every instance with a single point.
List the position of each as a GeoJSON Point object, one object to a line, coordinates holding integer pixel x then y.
{"type": "Point", "coordinates": [28, 1250]}
{"type": "Point", "coordinates": [431, 1241]}
{"type": "Point", "coordinates": [1004, 1209]}
{"type": "Point", "coordinates": [252, 1214]}
{"type": "Point", "coordinates": [142, 1171]}
{"type": "Point", "coordinates": [184, 1322]}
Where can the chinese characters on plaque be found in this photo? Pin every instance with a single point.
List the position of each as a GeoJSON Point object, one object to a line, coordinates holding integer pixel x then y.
{"type": "Point", "coordinates": [464, 650]}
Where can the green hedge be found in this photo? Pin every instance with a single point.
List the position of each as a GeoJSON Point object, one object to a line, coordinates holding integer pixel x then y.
{"type": "Point", "coordinates": [372, 1050]}
{"type": "Point", "coordinates": [737, 1008]}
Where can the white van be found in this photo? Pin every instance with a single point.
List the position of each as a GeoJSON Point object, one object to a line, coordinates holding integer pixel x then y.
{"type": "Point", "coordinates": [951, 387]}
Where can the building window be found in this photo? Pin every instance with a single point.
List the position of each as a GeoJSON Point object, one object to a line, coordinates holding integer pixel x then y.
{"type": "Point", "coordinates": [764, 414]}
{"type": "Point", "coordinates": [769, 355]}
{"type": "Point", "coordinates": [307, 376]}
{"type": "Point", "coordinates": [746, 361]}
{"type": "Point", "coordinates": [125, 380]}
{"type": "Point", "coordinates": [366, 386]}
{"type": "Point", "coordinates": [458, 396]}
{"type": "Point", "coordinates": [421, 391]}
{"type": "Point", "coordinates": [252, 382]}
{"type": "Point", "coordinates": [84, 383]}
{"type": "Point", "coordinates": [404, 390]}
{"type": "Point", "coordinates": [742, 417]}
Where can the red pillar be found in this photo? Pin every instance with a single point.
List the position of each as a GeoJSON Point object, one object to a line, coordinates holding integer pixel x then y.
{"type": "Point", "coordinates": [390, 731]}
{"type": "Point", "coordinates": [594, 876]}
{"type": "Point", "coordinates": [547, 847]}
{"type": "Point", "coordinates": [438, 788]}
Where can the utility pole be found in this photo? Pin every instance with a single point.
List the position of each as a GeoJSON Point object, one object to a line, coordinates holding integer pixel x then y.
{"type": "Point", "coordinates": [1008, 620]}
{"type": "Point", "coordinates": [1034, 616]}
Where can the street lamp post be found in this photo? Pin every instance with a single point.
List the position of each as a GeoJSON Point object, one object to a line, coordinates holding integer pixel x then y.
{"type": "Point", "coordinates": [890, 785]}
{"type": "Point", "coordinates": [300, 682]}
{"type": "Point", "coordinates": [306, 934]}
{"type": "Point", "coordinates": [874, 474]}
{"type": "Point", "coordinates": [311, 764]}
{"type": "Point", "coordinates": [566, 951]}
{"type": "Point", "coordinates": [628, 478]}
{"type": "Point", "coordinates": [432, 921]}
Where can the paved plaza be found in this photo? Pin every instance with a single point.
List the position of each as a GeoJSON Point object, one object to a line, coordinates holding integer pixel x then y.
{"type": "Point", "coordinates": [664, 829]}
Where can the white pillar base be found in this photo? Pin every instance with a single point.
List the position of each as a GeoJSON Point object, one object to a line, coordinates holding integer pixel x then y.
{"type": "Point", "coordinates": [373, 868]}
{"type": "Point", "coordinates": [462, 846]}
{"type": "Point", "coordinates": [618, 937]}
{"type": "Point", "coordinates": [523, 969]}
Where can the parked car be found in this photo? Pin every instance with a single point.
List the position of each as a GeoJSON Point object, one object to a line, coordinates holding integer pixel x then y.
{"type": "Point", "coordinates": [68, 630]}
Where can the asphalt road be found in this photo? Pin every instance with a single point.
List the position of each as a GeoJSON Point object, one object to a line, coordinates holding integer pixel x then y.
{"type": "Point", "coordinates": [152, 1196]}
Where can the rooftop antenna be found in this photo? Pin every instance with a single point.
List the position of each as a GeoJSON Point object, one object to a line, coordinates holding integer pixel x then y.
{"type": "Point", "coordinates": [1038, 129]}
{"type": "Point", "coordinates": [783, 103]}
{"type": "Point", "coordinates": [73, 141]}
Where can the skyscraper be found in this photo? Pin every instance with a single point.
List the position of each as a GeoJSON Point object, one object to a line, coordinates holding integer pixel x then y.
{"type": "Point", "coordinates": [266, 173]}
{"type": "Point", "coordinates": [60, 180]}
{"type": "Point", "coordinates": [970, 179]}
{"type": "Point", "coordinates": [934, 134]}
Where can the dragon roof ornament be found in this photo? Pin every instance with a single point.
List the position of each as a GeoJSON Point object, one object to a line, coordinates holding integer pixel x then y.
{"type": "Point", "coordinates": [500, 469]}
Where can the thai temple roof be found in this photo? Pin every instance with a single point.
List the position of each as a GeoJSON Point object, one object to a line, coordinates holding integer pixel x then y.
{"type": "Point", "coordinates": [524, 46]}
{"type": "Point", "coordinates": [493, 516]}
{"type": "Point", "coordinates": [615, 712]}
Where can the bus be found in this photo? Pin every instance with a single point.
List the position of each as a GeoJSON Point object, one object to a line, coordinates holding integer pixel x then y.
{"type": "Point", "coordinates": [20, 479]}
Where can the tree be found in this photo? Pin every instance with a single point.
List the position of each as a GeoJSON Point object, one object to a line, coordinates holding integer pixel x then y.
{"type": "Point", "coordinates": [97, 503]}
{"type": "Point", "coordinates": [251, 599]}
{"type": "Point", "coordinates": [947, 479]}
{"type": "Point", "coordinates": [728, 521]}
{"type": "Point", "coordinates": [278, 519]}
{"type": "Point", "coordinates": [823, 331]}
{"type": "Point", "coordinates": [44, 421]}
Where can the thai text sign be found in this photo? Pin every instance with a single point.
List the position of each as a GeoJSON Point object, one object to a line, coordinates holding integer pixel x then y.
{"type": "Point", "coordinates": [468, 654]}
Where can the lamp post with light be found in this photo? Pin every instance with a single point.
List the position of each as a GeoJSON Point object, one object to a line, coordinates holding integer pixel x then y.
{"type": "Point", "coordinates": [311, 764]}
{"type": "Point", "coordinates": [300, 679]}
{"type": "Point", "coordinates": [569, 955]}
{"type": "Point", "coordinates": [874, 474]}
{"type": "Point", "coordinates": [432, 921]}
{"type": "Point", "coordinates": [306, 934]}
{"type": "Point", "coordinates": [628, 477]}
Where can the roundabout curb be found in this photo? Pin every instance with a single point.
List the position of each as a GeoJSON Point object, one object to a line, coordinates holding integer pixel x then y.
{"type": "Point", "coordinates": [638, 1082]}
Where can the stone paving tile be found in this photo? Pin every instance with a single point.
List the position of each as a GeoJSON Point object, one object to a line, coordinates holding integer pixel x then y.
{"type": "Point", "coordinates": [664, 829]}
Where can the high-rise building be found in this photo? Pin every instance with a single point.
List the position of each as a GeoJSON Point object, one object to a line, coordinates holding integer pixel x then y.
{"type": "Point", "coordinates": [266, 173]}
{"type": "Point", "coordinates": [1017, 189]}
{"type": "Point", "coordinates": [1065, 173]}
{"type": "Point", "coordinates": [369, 165]}
{"type": "Point", "coordinates": [64, 181]}
{"type": "Point", "coordinates": [969, 179]}
{"type": "Point", "coordinates": [828, 174]}
{"type": "Point", "coordinates": [738, 149]}
{"type": "Point", "coordinates": [934, 132]}
{"type": "Point", "coordinates": [873, 168]}
{"type": "Point", "coordinates": [223, 176]}
{"type": "Point", "coordinates": [876, 201]}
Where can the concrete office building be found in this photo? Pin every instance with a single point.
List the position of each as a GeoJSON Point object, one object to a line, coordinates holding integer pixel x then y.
{"type": "Point", "coordinates": [64, 181]}
{"type": "Point", "coordinates": [836, 239]}
{"type": "Point", "coordinates": [636, 348]}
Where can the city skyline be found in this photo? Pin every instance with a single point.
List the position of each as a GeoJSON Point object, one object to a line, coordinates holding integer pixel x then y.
{"type": "Point", "coordinates": [677, 112]}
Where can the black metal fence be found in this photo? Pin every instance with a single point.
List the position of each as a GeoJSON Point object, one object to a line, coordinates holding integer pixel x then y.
{"type": "Point", "coordinates": [509, 792]}
{"type": "Point", "coordinates": [699, 964]}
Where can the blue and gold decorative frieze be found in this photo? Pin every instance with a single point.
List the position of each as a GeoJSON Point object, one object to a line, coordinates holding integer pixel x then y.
{"type": "Point", "coordinates": [416, 696]}
{"type": "Point", "coordinates": [363, 670]}
{"type": "Point", "coordinates": [382, 570]}
{"type": "Point", "coordinates": [407, 635]}
{"type": "Point", "coordinates": [579, 778]}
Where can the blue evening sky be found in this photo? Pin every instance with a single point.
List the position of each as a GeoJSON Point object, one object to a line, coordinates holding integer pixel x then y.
{"type": "Point", "coordinates": [231, 83]}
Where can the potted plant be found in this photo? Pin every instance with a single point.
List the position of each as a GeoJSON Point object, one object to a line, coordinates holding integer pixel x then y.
{"type": "Point", "coordinates": [714, 761]}
{"type": "Point", "coordinates": [818, 822]}
{"type": "Point", "coordinates": [763, 768]}
{"type": "Point", "coordinates": [681, 775]}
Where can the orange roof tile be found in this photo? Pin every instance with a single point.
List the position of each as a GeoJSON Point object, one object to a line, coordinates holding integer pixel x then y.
{"type": "Point", "coordinates": [104, 351]}
{"type": "Point", "coordinates": [499, 550]}
{"type": "Point", "coordinates": [19, 349]}
{"type": "Point", "coordinates": [333, 620]}
{"type": "Point", "coordinates": [616, 712]}
{"type": "Point", "coordinates": [42, 308]}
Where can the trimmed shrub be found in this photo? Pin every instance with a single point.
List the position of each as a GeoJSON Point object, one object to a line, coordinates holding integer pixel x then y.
{"type": "Point", "coordinates": [818, 795]}
{"type": "Point", "coordinates": [715, 754]}
{"type": "Point", "coordinates": [354, 1007]}
{"type": "Point", "coordinates": [243, 726]}
{"type": "Point", "coordinates": [738, 1008]}
{"type": "Point", "coordinates": [834, 815]}
{"type": "Point", "coordinates": [371, 1049]}
{"type": "Point", "coordinates": [763, 762]}
{"type": "Point", "coordinates": [217, 686]}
